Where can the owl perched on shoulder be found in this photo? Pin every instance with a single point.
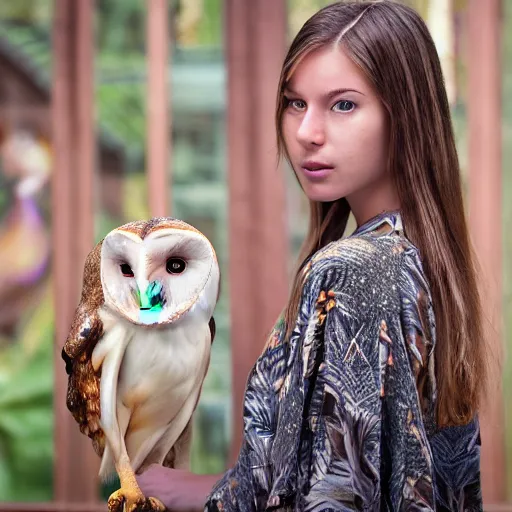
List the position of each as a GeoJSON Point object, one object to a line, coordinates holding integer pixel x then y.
{"type": "Point", "coordinates": [139, 349]}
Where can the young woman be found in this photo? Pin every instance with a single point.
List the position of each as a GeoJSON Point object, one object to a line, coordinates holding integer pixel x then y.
{"type": "Point", "coordinates": [366, 395]}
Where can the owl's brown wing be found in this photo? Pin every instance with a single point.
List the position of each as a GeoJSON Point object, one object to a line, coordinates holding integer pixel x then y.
{"type": "Point", "coordinates": [83, 394]}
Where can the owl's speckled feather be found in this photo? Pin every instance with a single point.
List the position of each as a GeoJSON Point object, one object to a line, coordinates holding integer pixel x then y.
{"type": "Point", "coordinates": [143, 228]}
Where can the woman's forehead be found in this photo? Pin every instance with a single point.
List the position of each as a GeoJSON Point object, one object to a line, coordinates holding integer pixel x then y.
{"type": "Point", "coordinates": [327, 69]}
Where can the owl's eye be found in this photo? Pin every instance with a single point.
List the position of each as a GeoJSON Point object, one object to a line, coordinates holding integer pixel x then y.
{"type": "Point", "coordinates": [175, 265]}
{"type": "Point", "coordinates": [126, 270]}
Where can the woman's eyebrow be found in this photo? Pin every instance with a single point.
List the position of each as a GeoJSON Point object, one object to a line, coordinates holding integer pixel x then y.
{"type": "Point", "coordinates": [337, 92]}
{"type": "Point", "coordinates": [329, 95]}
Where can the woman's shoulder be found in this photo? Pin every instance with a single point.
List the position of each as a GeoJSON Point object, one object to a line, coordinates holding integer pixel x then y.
{"type": "Point", "coordinates": [381, 256]}
{"type": "Point", "coordinates": [376, 266]}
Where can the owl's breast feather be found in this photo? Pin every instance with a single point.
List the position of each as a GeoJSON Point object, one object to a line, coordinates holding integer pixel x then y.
{"type": "Point", "coordinates": [156, 360]}
{"type": "Point", "coordinates": [161, 367]}
{"type": "Point", "coordinates": [160, 374]}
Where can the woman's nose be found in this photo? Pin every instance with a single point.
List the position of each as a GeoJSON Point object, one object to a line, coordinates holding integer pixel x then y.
{"type": "Point", "coordinates": [311, 130]}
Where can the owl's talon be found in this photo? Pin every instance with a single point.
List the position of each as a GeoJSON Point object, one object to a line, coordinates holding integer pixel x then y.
{"type": "Point", "coordinates": [125, 500]}
{"type": "Point", "coordinates": [156, 504]}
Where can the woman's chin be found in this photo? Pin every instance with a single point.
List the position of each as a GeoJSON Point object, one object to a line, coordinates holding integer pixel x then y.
{"type": "Point", "coordinates": [322, 194]}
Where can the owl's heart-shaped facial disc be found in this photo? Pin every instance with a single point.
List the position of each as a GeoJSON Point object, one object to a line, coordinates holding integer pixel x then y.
{"type": "Point", "coordinates": [157, 273]}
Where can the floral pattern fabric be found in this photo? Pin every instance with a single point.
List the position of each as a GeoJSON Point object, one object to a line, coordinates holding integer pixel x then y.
{"type": "Point", "coordinates": [340, 416]}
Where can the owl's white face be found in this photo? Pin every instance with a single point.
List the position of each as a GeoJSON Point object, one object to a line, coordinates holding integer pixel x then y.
{"type": "Point", "coordinates": [157, 279]}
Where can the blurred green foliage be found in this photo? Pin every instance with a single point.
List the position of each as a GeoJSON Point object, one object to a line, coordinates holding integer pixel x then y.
{"type": "Point", "coordinates": [26, 429]}
{"type": "Point", "coordinates": [26, 406]}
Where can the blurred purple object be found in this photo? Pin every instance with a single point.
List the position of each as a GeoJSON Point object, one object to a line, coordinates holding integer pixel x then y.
{"type": "Point", "coordinates": [24, 240]}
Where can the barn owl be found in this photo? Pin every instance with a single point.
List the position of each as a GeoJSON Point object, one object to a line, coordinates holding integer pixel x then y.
{"type": "Point", "coordinates": [139, 349]}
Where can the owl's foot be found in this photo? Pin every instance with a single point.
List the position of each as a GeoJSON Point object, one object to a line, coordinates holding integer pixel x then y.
{"type": "Point", "coordinates": [128, 500]}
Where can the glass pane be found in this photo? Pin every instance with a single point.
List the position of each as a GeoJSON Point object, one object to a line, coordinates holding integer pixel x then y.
{"type": "Point", "coordinates": [121, 112]}
{"type": "Point", "coordinates": [200, 195]}
{"type": "Point", "coordinates": [26, 313]}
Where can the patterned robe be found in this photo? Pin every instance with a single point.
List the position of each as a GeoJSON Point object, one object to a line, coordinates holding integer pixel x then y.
{"type": "Point", "coordinates": [340, 416]}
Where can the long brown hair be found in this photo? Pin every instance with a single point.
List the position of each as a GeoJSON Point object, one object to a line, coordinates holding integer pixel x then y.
{"type": "Point", "coordinates": [392, 46]}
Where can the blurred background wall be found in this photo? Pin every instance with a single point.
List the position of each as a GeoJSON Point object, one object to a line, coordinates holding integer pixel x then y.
{"type": "Point", "coordinates": [207, 99]}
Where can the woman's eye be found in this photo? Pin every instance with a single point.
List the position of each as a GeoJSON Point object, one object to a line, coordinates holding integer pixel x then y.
{"type": "Point", "coordinates": [126, 270]}
{"type": "Point", "coordinates": [175, 265]}
{"type": "Point", "coordinates": [296, 104]}
{"type": "Point", "coordinates": [344, 106]}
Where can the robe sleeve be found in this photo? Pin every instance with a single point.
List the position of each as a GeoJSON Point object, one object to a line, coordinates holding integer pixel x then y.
{"type": "Point", "coordinates": [246, 486]}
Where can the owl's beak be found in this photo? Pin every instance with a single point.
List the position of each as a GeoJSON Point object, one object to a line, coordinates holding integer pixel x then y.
{"type": "Point", "coordinates": [149, 295]}
{"type": "Point", "coordinates": [150, 302]}
{"type": "Point", "coordinates": [144, 302]}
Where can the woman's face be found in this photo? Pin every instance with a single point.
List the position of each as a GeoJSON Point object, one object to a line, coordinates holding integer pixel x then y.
{"type": "Point", "coordinates": [336, 133]}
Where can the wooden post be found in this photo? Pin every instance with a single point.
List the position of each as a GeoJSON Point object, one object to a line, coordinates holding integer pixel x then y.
{"type": "Point", "coordinates": [158, 107]}
{"type": "Point", "coordinates": [484, 113]}
{"type": "Point", "coordinates": [83, 186]}
{"type": "Point", "coordinates": [258, 247]}
{"type": "Point", "coordinates": [76, 464]}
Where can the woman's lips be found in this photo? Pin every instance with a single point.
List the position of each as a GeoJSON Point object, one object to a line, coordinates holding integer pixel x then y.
{"type": "Point", "coordinates": [316, 170]}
